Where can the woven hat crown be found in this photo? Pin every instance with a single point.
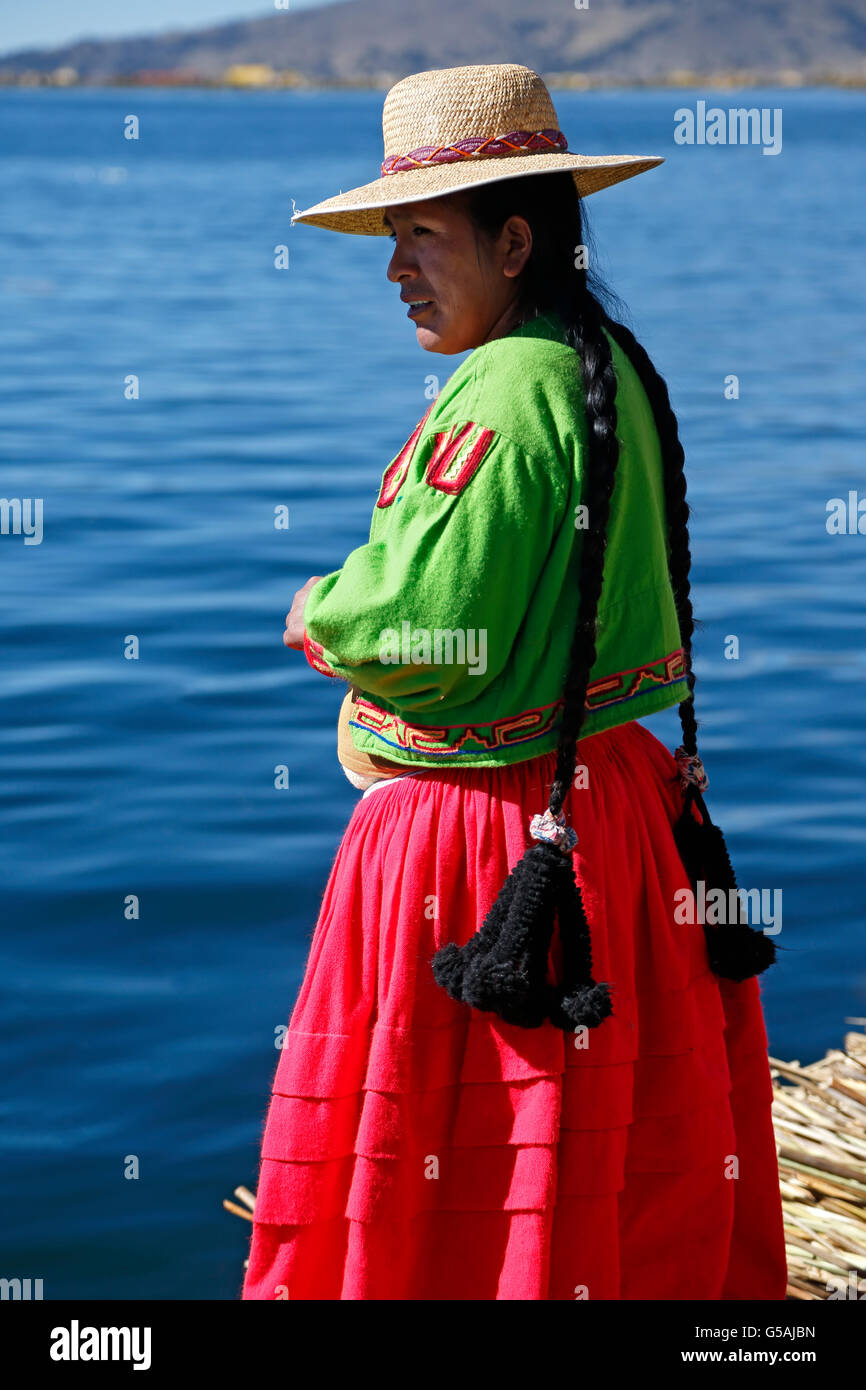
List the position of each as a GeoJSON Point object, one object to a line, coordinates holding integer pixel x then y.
{"type": "Point", "coordinates": [451, 104]}
{"type": "Point", "coordinates": [455, 128]}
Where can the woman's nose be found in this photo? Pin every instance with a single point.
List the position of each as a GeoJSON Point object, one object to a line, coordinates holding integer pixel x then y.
{"type": "Point", "coordinates": [400, 265]}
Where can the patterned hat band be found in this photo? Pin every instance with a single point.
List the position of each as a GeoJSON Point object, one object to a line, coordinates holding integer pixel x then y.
{"type": "Point", "coordinates": [478, 147]}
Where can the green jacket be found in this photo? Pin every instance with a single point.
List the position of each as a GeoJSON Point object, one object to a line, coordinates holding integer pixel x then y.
{"type": "Point", "coordinates": [455, 620]}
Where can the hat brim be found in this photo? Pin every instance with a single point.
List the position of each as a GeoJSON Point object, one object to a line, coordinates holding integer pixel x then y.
{"type": "Point", "coordinates": [360, 210]}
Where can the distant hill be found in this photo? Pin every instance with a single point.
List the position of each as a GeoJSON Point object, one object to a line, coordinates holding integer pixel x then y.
{"type": "Point", "coordinates": [371, 39]}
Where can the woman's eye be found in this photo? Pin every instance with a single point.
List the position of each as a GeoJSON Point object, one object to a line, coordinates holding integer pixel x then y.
{"type": "Point", "coordinates": [416, 231]}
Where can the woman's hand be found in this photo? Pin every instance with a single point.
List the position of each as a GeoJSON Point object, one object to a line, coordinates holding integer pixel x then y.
{"type": "Point", "coordinates": [294, 633]}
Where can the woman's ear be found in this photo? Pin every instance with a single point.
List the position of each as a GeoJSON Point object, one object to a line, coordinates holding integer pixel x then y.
{"type": "Point", "coordinates": [516, 245]}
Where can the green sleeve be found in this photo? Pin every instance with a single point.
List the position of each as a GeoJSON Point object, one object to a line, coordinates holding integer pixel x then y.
{"type": "Point", "coordinates": [462, 563]}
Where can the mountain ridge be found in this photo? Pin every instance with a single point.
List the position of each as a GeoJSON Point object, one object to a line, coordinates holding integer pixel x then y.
{"type": "Point", "coordinates": [362, 39]}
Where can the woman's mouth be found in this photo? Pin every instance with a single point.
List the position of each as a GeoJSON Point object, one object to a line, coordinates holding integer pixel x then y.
{"type": "Point", "coordinates": [419, 306]}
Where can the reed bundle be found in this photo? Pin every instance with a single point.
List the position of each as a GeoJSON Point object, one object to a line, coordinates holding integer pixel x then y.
{"type": "Point", "coordinates": [819, 1118]}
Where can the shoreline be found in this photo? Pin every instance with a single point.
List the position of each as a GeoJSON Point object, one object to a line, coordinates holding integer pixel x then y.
{"type": "Point", "coordinates": [254, 77]}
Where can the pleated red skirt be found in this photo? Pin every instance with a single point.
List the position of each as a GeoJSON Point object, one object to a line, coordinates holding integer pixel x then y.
{"type": "Point", "coordinates": [418, 1149]}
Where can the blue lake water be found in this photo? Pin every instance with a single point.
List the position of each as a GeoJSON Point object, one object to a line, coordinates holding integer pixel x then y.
{"type": "Point", "coordinates": [259, 387]}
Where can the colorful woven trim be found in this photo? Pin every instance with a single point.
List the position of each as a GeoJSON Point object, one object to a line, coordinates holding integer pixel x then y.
{"type": "Point", "coordinates": [395, 473]}
{"type": "Point", "coordinates": [467, 740]}
{"type": "Point", "coordinates": [456, 455]}
{"type": "Point", "coordinates": [448, 741]}
{"type": "Point", "coordinates": [626, 685]}
{"type": "Point", "coordinates": [314, 652]}
{"type": "Point", "coordinates": [477, 147]}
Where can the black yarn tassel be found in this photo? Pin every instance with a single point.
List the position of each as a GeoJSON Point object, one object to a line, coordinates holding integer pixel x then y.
{"type": "Point", "coordinates": [579, 1001]}
{"type": "Point", "coordinates": [502, 969]}
{"type": "Point", "coordinates": [451, 962]}
{"type": "Point", "coordinates": [736, 950]}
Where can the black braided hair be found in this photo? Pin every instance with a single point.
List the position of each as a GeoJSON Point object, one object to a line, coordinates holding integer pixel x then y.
{"type": "Point", "coordinates": [503, 967]}
{"type": "Point", "coordinates": [739, 951]}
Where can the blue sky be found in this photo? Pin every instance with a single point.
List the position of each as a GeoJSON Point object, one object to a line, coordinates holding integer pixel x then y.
{"type": "Point", "coordinates": [51, 22]}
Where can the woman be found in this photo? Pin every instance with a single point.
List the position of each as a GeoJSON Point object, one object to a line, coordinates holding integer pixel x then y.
{"type": "Point", "coordinates": [516, 1068]}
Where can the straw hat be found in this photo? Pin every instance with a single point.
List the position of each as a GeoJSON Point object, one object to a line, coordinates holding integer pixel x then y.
{"type": "Point", "coordinates": [453, 128]}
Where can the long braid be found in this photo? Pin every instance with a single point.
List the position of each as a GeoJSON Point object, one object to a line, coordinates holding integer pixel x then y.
{"type": "Point", "coordinates": [502, 968]}
{"type": "Point", "coordinates": [738, 951]}
{"type": "Point", "coordinates": [677, 507]}
{"type": "Point", "coordinates": [578, 1000]}
{"type": "Point", "coordinates": [599, 380]}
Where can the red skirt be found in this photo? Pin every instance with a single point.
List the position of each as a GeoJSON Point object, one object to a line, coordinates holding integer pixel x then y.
{"type": "Point", "coordinates": [418, 1149]}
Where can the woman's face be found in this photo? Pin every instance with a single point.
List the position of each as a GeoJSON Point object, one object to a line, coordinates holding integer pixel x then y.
{"type": "Point", "coordinates": [465, 282]}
